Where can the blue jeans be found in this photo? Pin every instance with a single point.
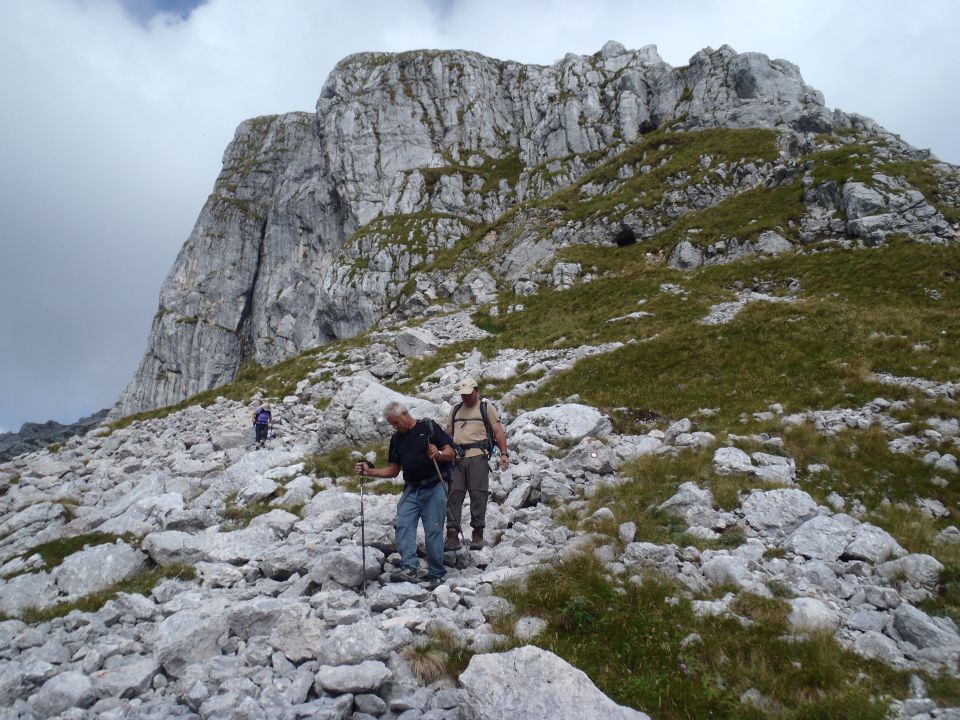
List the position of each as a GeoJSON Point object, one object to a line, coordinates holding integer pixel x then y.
{"type": "Point", "coordinates": [429, 505]}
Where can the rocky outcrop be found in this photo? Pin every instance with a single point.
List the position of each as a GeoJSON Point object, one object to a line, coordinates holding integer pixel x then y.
{"type": "Point", "coordinates": [302, 239]}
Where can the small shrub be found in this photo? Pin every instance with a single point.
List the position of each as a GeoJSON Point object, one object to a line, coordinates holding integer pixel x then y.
{"type": "Point", "coordinates": [438, 655]}
{"type": "Point", "coordinates": [239, 516]}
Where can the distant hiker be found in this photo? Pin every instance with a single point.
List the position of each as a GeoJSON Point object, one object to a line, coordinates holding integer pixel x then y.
{"type": "Point", "coordinates": [262, 424]}
{"type": "Point", "coordinates": [422, 450]}
{"type": "Point", "coordinates": [476, 429]}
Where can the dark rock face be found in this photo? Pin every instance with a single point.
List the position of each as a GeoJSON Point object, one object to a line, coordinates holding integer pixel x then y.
{"type": "Point", "coordinates": [34, 436]}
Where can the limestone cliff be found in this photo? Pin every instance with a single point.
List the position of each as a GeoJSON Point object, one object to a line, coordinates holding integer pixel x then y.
{"type": "Point", "coordinates": [320, 225]}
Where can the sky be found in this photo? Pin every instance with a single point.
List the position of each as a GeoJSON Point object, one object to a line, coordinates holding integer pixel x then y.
{"type": "Point", "coordinates": [114, 115]}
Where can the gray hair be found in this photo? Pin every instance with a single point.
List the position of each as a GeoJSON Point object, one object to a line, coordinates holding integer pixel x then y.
{"type": "Point", "coordinates": [394, 410]}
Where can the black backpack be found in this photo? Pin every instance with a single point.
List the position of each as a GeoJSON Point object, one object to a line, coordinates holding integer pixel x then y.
{"type": "Point", "coordinates": [490, 444]}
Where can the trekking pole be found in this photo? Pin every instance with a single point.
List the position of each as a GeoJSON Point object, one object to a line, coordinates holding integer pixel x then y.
{"type": "Point", "coordinates": [363, 538]}
{"type": "Point", "coordinates": [446, 498]}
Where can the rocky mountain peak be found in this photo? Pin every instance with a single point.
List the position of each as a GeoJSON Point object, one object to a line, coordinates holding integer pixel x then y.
{"type": "Point", "coordinates": [320, 226]}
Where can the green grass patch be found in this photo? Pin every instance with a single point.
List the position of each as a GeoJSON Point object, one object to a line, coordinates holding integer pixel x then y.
{"type": "Point", "coordinates": [142, 584]}
{"type": "Point", "coordinates": [859, 312]}
{"type": "Point", "coordinates": [667, 154]}
{"type": "Point", "coordinates": [54, 552]}
{"type": "Point", "coordinates": [239, 516]}
{"type": "Point", "coordinates": [743, 216]}
{"type": "Point", "coordinates": [340, 462]}
{"type": "Point", "coordinates": [654, 479]}
{"type": "Point", "coordinates": [632, 645]}
{"type": "Point", "coordinates": [853, 162]}
{"type": "Point", "coordinates": [437, 656]}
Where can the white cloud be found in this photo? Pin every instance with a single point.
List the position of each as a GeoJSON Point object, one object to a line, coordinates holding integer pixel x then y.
{"type": "Point", "coordinates": [111, 132]}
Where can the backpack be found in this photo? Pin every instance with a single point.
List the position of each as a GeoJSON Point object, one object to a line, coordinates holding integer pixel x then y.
{"type": "Point", "coordinates": [263, 417]}
{"type": "Point", "coordinates": [490, 445]}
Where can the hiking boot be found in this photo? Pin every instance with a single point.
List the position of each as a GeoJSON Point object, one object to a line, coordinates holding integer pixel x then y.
{"type": "Point", "coordinates": [476, 542]}
{"type": "Point", "coordinates": [406, 574]}
{"type": "Point", "coordinates": [453, 540]}
{"type": "Point", "coordinates": [432, 582]}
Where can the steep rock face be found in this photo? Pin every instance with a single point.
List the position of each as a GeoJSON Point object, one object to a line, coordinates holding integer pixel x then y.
{"type": "Point", "coordinates": [445, 140]}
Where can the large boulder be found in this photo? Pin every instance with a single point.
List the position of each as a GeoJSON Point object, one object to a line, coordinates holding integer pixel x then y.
{"type": "Point", "coordinates": [532, 683]}
{"type": "Point", "coordinates": [189, 636]}
{"type": "Point", "coordinates": [559, 424]}
{"type": "Point", "coordinates": [67, 690]}
{"type": "Point", "coordinates": [98, 567]}
{"type": "Point", "coordinates": [778, 512]}
{"type": "Point", "coordinates": [32, 590]}
{"type": "Point", "coordinates": [822, 537]}
{"type": "Point", "coordinates": [355, 414]}
{"type": "Point", "coordinates": [173, 546]}
{"type": "Point", "coordinates": [365, 677]}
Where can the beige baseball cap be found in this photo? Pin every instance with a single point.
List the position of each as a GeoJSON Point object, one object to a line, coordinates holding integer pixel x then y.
{"type": "Point", "coordinates": [467, 386]}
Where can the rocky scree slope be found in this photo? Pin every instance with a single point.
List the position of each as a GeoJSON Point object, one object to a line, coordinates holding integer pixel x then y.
{"type": "Point", "coordinates": [252, 605]}
{"type": "Point", "coordinates": [321, 225]}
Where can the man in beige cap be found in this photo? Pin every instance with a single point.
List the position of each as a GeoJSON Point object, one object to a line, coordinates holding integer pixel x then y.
{"type": "Point", "coordinates": [475, 426]}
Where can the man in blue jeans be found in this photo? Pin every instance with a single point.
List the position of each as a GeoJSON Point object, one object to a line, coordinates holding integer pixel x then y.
{"type": "Point", "coordinates": [419, 448]}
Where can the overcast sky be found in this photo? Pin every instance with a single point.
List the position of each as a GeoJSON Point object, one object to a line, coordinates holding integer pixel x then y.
{"type": "Point", "coordinates": [115, 114]}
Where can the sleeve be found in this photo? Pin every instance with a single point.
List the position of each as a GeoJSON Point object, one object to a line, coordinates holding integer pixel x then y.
{"type": "Point", "coordinates": [440, 436]}
{"type": "Point", "coordinates": [393, 455]}
{"type": "Point", "coordinates": [492, 414]}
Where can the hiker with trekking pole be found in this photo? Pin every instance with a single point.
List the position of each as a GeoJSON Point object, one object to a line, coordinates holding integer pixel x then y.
{"type": "Point", "coordinates": [477, 431]}
{"type": "Point", "coordinates": [424, 452]}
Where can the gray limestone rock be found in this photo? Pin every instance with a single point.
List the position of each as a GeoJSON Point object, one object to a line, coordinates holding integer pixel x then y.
{"type": "Point", "coordinates": [188, 636]}
{"type": "Point", "coordinates": [299, 638]}
{"type": "Point", "coordinates": [777, 512]}
{"type": "Point", "coordinates": [694, 505]}
{"type": "Point", "coordinates": [873, 644]}
{"type": "Point", "coordinates": [351, 644]}
{"type": "Point", "coordinates": [170, 547]}
{"type": "Point", "coordinates": [936, 639]}
{"type": "Point", "coordinates": [365, 677]}
{"type": "Point", "coordinates": [33, 590]}
{"type": "Point", "coordinates": [822, 537]}
{"type": "Point", "coordinates": [560, 423]}
{"type": "Point", "coordinates": [917, 569]}
{"type": "Point", "coordinates": [416, 342]}
{"type": "Point", "coordinates": [129, 679]}
{"type": "Point", "coordinates": [731, 460]}
{"type": "Point", "coordinates": [812, 615]}
{"type": "Point", "coordinates": [530, 682]}
{"type": "Point", "coordinates": [686, 256]}
{"type": "Point", "coordinates": [772, 243]}
{"type": "Point", "coordinates": [64, 691]}
{"type": "Point", "coordinates": [873, 544]}
{"type": "Point", "coordinates": [98, 567]}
